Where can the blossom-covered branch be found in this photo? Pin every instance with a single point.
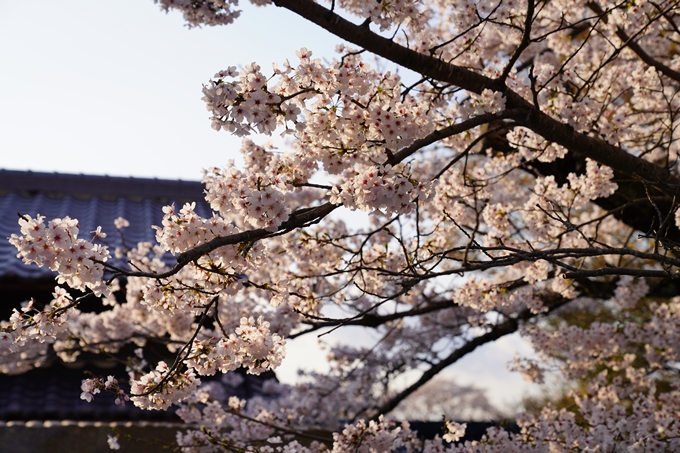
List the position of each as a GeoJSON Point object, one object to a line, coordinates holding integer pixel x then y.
{"type": "Point", "coordinates": [525, 180]}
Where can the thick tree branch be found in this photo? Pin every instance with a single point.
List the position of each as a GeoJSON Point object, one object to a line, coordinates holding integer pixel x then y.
{"type": "Point", "coordinates": [552, 255]}
{"type": "Point", "coordinates": [449, 131]}
{"type": "Point", "coordinates": [530, 117]}
{"type": "Point", "coordinates": [371, 320]}
{"type": "Point", "coordinates": [496, 332]}
{"type": "Point", "coordinates": [629, 42]}
{"type": "Point", "coordinates": [524, 43]}
{"type": "Point", "coordinates": [297, 219]}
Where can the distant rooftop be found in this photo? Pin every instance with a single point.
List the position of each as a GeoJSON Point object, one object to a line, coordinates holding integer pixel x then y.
{"type": "Point", "coordinates": [60, 184]}
{"type": "Point", "coordinates": [52, 391]}
{"type": "Point", "coordinates": [94, 201]}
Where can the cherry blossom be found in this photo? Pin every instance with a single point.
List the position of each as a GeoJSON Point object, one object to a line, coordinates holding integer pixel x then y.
{"type": "Point", "coordinates": [512, 166]}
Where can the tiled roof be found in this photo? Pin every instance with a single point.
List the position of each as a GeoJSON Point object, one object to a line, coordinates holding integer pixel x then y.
{"type": "Point", "coordinates": [53, 393]}
{"type": "Point", "coordinates": [94, 201]}
{"type": "Point", "coordinates": [87, 186]}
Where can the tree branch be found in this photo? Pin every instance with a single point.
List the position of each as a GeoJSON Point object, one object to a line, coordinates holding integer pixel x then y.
{"type": "Point", "coordinates": [524, 113]}
{"type": "Point", "coordinates": [449, 131]}
{"type": "Point", "coordinates": [505, 328]}
{"type": "Point", "coordinates": [637, 49]}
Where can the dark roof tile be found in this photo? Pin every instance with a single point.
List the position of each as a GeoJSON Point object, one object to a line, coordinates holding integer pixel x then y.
{"type": "Point", "coordinates": [94, 201]}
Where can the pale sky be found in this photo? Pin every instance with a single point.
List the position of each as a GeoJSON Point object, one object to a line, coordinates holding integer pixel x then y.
{"type": "Point", "coordinates": [114, 87]}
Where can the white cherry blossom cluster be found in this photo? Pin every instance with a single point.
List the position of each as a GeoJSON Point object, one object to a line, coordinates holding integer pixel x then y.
{"type": "Point", "coordinates": [185, 229]}
{"type": "Point", "coordinates": [484, 295]}
{"type": "Point", "coordinates": [20, 336]}
{"type": "Point", "coordinates": [397, 123]}
{"type": "Point", "coordinates": [378, 189]}
{"type": "Point", "coordinates": [252, 346]}
{"type": "Point", "coordinates": [261, 350]}
{"type": "Point", "coordinates": [257, 199]}
{"type": "Point", "coordinates": [582, 349]}
{"type": "Point", "coordinates": [275, 169]}
{"type": "Point", "coordinates": [478, 294]}
{"type": "Point", "coordinates": [454, 431]}
{"type": "Point", "coordinates": [394, 12]}
{"type": "Point", "coordinates": [586, 346]}
{"type": "Point", "coordinates": [488, 102]}
{"type": "Point", "coordinates": [204, 12]}
{"type": "Point", "coordinates": [530, 370]}
{"type": "Point", "coordinates": [56, 246]}
{"type": "Point", "coordinates": [159, 388]}
{"type": "Point", "coordinates": [651, 425]}
{"type": "Point", "coordinates": [537, 271]}
{"type": "Point", "coordinates": [221, 417]}
{"type": "Point", "coordinates": [542, 213]}
{"type": "Point", "coordinates": [225, 425]}
{"type": "Point", "coordinates": [532, 146]}
{"type": "Point", "coordinates": [606, 424]}
{"type": "Point", "coordinates": [32, 324]}
{"type": "Point", "coordinates": [497, 215]}
{"type": "Point", "coordinates": [91, 387]}
{"type": "Point", "coordinates": [374, 436]}
{"type": "Point", "coordinates": [596, 183]}
{"type": "Point", "coordinates": [628, 380]}
{"type": "Point", "coordinates": [246, 105]}
{"type": "Point", "coordinates": [222, 12]}
{"type": "Point", "coordinates": [629, 291]}
{"type": "Point", "coordinates": [368, 109]}
{"type": "Point", "coordinates": [173, 297]}
{"type": "Point", "coordinates": [455, 194]}
{"type": "Point", "coordinates": [193, 287]}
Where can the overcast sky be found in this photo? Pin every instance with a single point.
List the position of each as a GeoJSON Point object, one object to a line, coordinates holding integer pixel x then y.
{"type": "Point", "coordinates": [114, 87]}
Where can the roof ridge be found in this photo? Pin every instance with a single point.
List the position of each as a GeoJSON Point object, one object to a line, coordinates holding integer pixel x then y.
{"type": "Point", "coordinates": [98, 185]}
